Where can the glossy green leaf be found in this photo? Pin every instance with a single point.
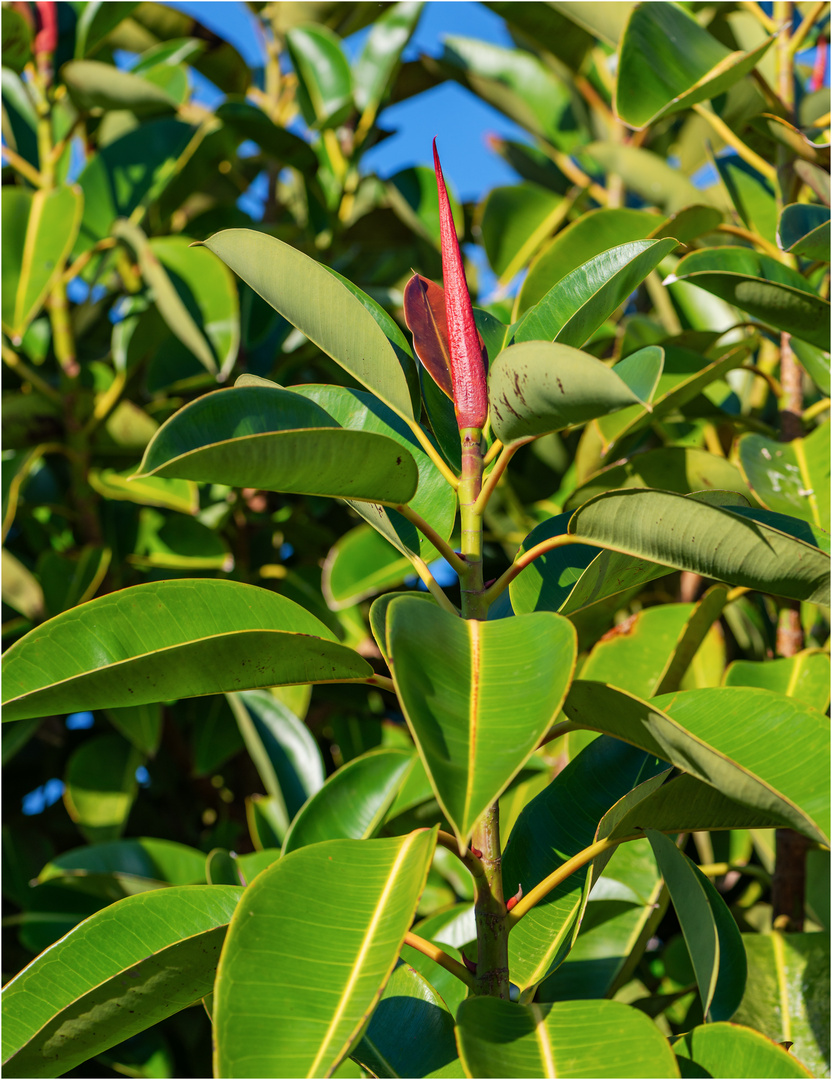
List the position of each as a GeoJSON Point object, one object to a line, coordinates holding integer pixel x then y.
{"type": "Point", "coordinates": [478, 696]}
{"type": "Point", "coordinates": [178, 542]}
{"type": "Point", "coordinates": [252, 123]}
{"type": "Point", "coordinates": [322, 308]}
{"type": "Point", "coordinates": [515, 222]}
{"type": "Point", "coordinates": [180, 495]}
{"type": "Point", "coordinates": [548, 27]}
{"type": "Point", "coordinates": [411, 1032]}
{"type": "Point", "coordinates": [168, 640]}
{"type": "Point", "coordinates": [711, 935]}
{"type": "Point", "coordinates": [125, 867]}
{"type": "Point", "coordinates": [361, 564]}
{"type": "Point", "coordinates": [791, 477]}
{"type": "Point", "coordinates": [728, 1051]}
{"type": "Point", "coordinates": [752, 195]}
{"type": "Point", "coordinates": [589, 235]}
{"type": "Point", "coordinates": [574, 576]}
{"type": "Point", "coordinates": [333, 916]}
{"type": "Point", "coordinates": [684, 375]}
{"type": "Point", "coordinates": [804, 676]}
{"type": "Point", "coordinates": [354, 801]}
{"type": "Point", "coordinates": [39, 231]}
{"type": "Point", "coordinates": [761, 747]}
{"type": "Point", "coordinates": [713, 541]}
{"type": "Point", "coordinates": [282, 748]}
{"type": "Point", "coordinates": [94, 85]}
{"type": "Point", "coordinates": [554, 826]}
{"type": "Point", "coordinates": [67, 581]}
{"type": "Point", "coordinates": [266, 820]}
{"type": "Point", "coordinates": [580, 302]}
{"type": "Point", "coordinates": [570, 1038]}
{"type": "Point", "coordinates": [670, 468]}
{"type": "Point", "coordinates": [515, 82]}
{"type": "Point", "coordinates": [129, 172]}
{"type": "Point", "coordinates": [784, 997]}
{"type": "Point", "coordinates": [209, 291]}
{"type": "Point", "coordinates": [96, 21]}
{"type": "Point", "coordinates": [375, 67]}
{"type": "Point", "coordinates": [803, 229]}
{"type": "Point", "coordinates": [117, 973]}
{"type": "Point", "coordinates": [324, 78]}
{"type": "Point", "coordinates": [435, 499]}
{"type": "Point", "coordinates": [687, 65]}
{"type": "Point", "coordinates": [542, 386]}
{"type": "Point", "coordinates": [277, 440]}
{"type": "Point", "coordinates": [766, 289]}
{"type": "Point", "coordinates": [378, 617]}
{"type": "Point", "coordinates": [101, 786]}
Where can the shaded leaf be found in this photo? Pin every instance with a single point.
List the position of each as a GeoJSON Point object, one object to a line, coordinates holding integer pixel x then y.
{"type": "Point", "coordinates": [791, 477]}
{"type": "Point", "coordinates": [101, 786]}
{"type": "Point", "coordinates": [803, 229]}
{"type": "Point", "coordinates": [94, 85]}
{"type": "Point", "coordinates": [730, 1050]}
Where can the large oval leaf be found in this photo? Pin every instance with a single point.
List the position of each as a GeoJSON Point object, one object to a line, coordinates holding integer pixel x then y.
{"type": "Point", "coordinates": [478, 696]}
{"type": "Point", "coordinates": [570, 1038]}
{"type": "Point", "coordinates": [769, 291]}
{"type": "Point", "coordinates": [39, 230]}
{"type": "Point", "coordinates": [726, 1051]}
{"type": "Point", "coordinates": [331, 917]}
{"type": "Point", "coordinates": [323, 309]}
{"type": "Point", "coordinates": [710, 540]}
{"type": "Point", "coordinates": [763, 748]}
{"type": "Point", "coordinates": [790, 478]}
{"type": "Point", "coordinates": [270, 438]}
{"type": "Point", "coordinates": [167, 640]}
{"type": "Point", "coordinates": [543, 386]}
{"type": "Point", "coordinates": [117, 973]}
{"type": "Point", "coordinates": [94, 85]}
{"type": "Point", "coordinates": [132, 866]}
{"type": "Point", "coordinates": [573, 309]}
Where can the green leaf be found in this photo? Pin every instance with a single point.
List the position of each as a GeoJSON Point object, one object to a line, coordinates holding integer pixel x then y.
{"type": "Point", "coordinates": [168, 640]}
{"type": "Point", "coordinates": [125, 867]}
{"type": "Point", "coordinates": [411, 1032]}
{"type": "Point", "coordinates": [361, 564]}
{"type": "Point", "coordinates": [515, 222]}
{"type": "Point", "coordinates": [752, 195]}
{"type": "Point", "coordinates": [209, 291]}
{"type": "Point", "coordinates": [282, 748]}
{"type": "Point", "coordinates": [803, 229]}
{"type": "Point", "coordinates": [375, 67]}
{"type": "Point", "coordinates": [127, 173]}
{"type": "Point", "coordinates": [542, 386]}
{"type": "Point", "coordinates": [684, 375]}
{"type": "Point", "coordinates": [761, 747]}
{"type": "Point", "coordinates": [574, 576]}
{"type": "Point", "coordinates": [39, 230]}
{"type": "Point", "coordinates": [353, 803]}
{"type": "Point", "coordinates": [804, 676]}
{"type": "Point", "coordinates": [101, 786]}
{"type": "Point", "coordinates": [713, 541]}
{"type": "Point", "coordinates": [17, 40]}
{"type": "Point", "coordinates": [784, 997]}
{"type": "Point", "coordinates": [272, 1019]}
{"type": "Point", "coordinates": [766, 289]}
{"type": "Point", "coordinates": [178, 543]}
{"type": "Point", "coordinates": [324, 78]}
{"type": "Point", "coordinates": [117, 973]}
{"type": "Point", "coordinates": [321, 307]}
{"type": "Point", "coordinates": [435, 500]}
{"type": "Point", "coordinates": [547, 27]}
{"type": "Point", "coordinates": [180, 495]}
{"type": "Point", "coordinates": [414, 198]}
{"type": "Point", "coordinates": [274, 439]}
{"type": "Point", "coordinates": [670, 468]}
{"type": "Point", "coordinates": [687, 65]}
{"type": "Point", "coordinates": [252, 123]}
{"type": "Point", "coordinates": [478, 696]}
{"type": "Point", "coordinates": [554, 826]}
{"type": "Point", "coordinates": [570, 1038]}
{"type": "Point", "coordinates": [96, 21]}
{"type": "Point", "coordinates": [579, 303]}
{"type": "Point", "coordinates": [647, 174]}
{"type": "Point", "coordinates": [726, 1051]}
{"type": "Point", "coordinates": [94, 85]}
{"type": "Point", "coordinates": [585, 238]}
{"type": "Point", "coordinates": [792, 477]}
{"type": "Point", "coordinates": [712, 937]}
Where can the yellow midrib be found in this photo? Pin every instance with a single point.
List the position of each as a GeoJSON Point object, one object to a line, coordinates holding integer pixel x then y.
{"type": "Point", "coordinates": [542, 1036]}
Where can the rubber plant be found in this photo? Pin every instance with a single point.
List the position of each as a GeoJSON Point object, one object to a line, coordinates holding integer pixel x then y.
{"type": "Point", "coordinates": [296, 953]}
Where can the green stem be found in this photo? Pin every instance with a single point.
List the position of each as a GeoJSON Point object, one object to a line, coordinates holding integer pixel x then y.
{"type": "Point", "coordinates": [439, 957]}
{"type": "Point", "coordinates": [522, 561]}
{"type": "Point", "coordinates": [470, 485]}
{"type": "Point", "coordinates": [432, 584]}
{"type": "Point", "coordinates": [432, 452]}
{"type": "Point", "coordinates": [727, 135]}
{"type": "Point", "coordinates": [382, 682]}
{"type": "Point", "coordinates": [442, 546]}
{"type": "Point", "coordinates": [539, 892]}
{"type": "Point", "coordinates": [493, 478]}
{"type": "Point", "coordinates": [469, 860]}
{"type": "Point", "coordinates": [21, 166]}
{"type": "Point", "coordinates": [809, 20]}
